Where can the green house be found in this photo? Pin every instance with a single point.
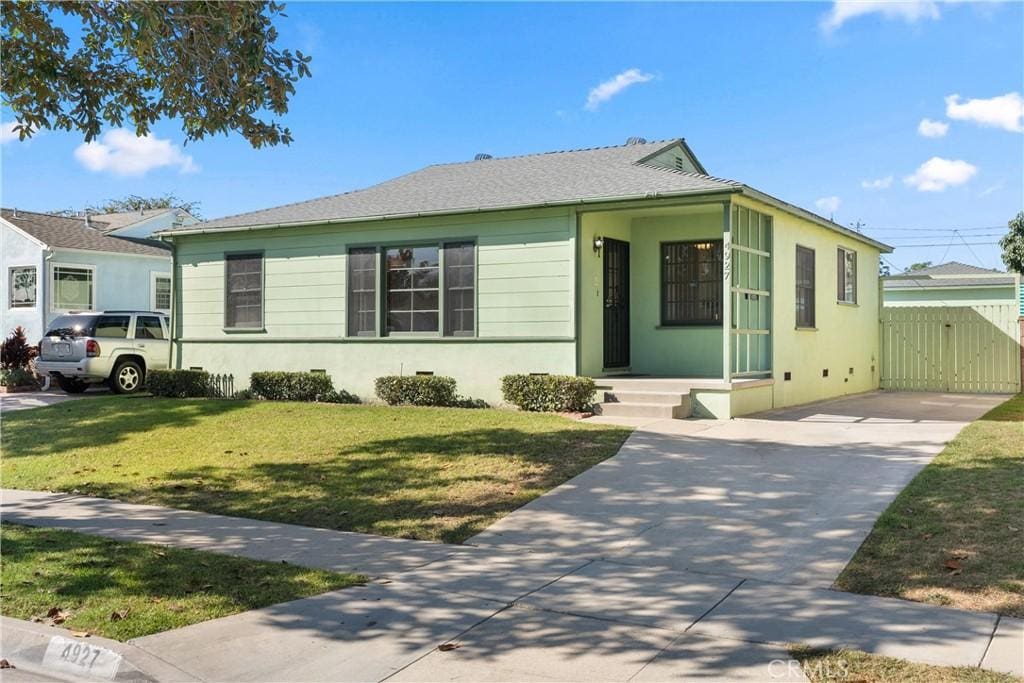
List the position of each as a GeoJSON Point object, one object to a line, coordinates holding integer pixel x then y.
{"type": "Point", "coordinates": [681, 292]}
{"type": "Point", "coordinates": [952, 284]}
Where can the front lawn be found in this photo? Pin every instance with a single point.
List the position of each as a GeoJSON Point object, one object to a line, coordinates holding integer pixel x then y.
{"type": "Point", "coordinates": [847, 666]}
{"type": "Point", "coordinates": [126, 590]}
{"type": "Point", "coordinates": [954, 535]}
{"type": "Point", "coordinates": [428, 473]}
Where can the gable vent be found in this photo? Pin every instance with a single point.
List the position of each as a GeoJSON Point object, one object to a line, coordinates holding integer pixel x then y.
{"type": "Point", "coordinates": [636, 141]}
{"type": "Point", "coordinates": [481, 157]}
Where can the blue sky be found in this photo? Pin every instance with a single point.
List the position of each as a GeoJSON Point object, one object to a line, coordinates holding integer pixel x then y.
{"type": "Point", "coordinates": [810, 102]}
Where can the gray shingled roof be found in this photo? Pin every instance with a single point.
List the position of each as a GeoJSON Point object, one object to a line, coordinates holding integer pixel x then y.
{"type": "Point", "coordinates": [493, 184]}
{"type": "Point", "coordinates": [71, 233]}
{"type": "Point", "coordinates": [952, 274]}
{"type": "Point", "coordinates": [953, 268]}
{"type": "Point", "coordinates": [122, 219]}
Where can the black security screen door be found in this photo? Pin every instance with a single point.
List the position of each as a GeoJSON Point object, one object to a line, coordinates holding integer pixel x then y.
{"type": "Point", "coordinates": [616, 304]}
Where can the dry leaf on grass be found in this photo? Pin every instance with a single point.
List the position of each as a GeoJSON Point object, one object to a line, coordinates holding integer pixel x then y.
{"type": "Point", "coordinates": [120, 615]}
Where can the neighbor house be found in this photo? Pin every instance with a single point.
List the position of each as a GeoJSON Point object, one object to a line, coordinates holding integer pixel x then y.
{"type": "Point", "coordinates": [951, 284]}
{"type": "Point", "coordinates": [53, 264]}
{"type": "Point", "coordinates": [680, 291]}
{"type": "Point", "coordinates": [142, 223]}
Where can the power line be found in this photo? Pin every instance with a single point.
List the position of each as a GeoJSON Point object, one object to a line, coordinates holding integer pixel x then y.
{"type": "Point", "coordinates": [943, 244]}
{"type": "Point", "coordinates": [982, 227]}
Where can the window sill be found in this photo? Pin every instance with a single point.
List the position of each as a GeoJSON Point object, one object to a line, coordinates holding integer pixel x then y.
{"type": "Point", "coordinates": [690, 326]}
{"type": "Point", "coordinates": [851, 304]}
{"type": "Point", "coordinates": [805, 329]}
{"type": "Point", "coordinates": [244, 330]}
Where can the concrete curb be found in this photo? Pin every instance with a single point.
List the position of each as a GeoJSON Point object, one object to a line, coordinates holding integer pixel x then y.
{"type": "Point", "coordinates": [35, 648]}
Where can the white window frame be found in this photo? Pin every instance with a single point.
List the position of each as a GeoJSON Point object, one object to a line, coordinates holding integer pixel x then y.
{"type": "Point", "coordinates": [10, 287]}
{"type": "Point", "coordinates": [153, 277]}
{"type": "Point", "coordinates": [841, 272]}
{"type": "Point", "coordinates": [53, 289]}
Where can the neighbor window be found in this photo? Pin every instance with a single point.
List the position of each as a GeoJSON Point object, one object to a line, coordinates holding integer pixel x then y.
{"type": "Point", "coordinates": [362, 292]}
{"type": "Point", "coordinates": [161, 293]}
{"type": "Point", "coordinates": [412, 289]}
{"type": "Point", "coordinates": [73, 288]}
{"type": "Point", "coordinates": [459, 293]}
{"type": "Point", "coordinates": [22, 287]}
{"type": "Point", "coordinates": [804, 287]}
{"type": "Point", "coordinates": [691, 283]}
{"type": "Point", "coordinates": [846, 280]}
{"type": "Point", "coordinates": [243, 305]}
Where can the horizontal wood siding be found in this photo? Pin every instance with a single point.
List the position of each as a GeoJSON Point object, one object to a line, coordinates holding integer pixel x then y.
{"type": "Point", "coordinates": [524, 274]}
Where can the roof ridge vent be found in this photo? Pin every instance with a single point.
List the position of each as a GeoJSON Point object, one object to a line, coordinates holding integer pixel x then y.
{"type": "Point", "coordinates": [636, 141]}
{"type": "Point", "coordinates": [482, 157]}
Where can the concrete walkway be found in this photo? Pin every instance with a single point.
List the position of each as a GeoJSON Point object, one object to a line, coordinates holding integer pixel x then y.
{"type": "Point", "coordinates": [612, 592]}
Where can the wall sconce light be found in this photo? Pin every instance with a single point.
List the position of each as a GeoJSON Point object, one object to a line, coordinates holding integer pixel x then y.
{"type": "Point", "coordinates": [598, 243]}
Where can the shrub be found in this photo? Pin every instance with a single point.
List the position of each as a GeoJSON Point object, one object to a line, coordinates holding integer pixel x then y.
{"type": "Point", "coordinates": [16, 352]}
{"type": "Point", "coordinates": [549, 393]}
{"type": "Point", "coordinates": [416, 390]}
{"type": "Point", "coordinates": [178, 383]}
{"type": "Point", "coordinates": [292, 386]}
{"type": "Point", "coordinates": [17, 377]}
{"type": "Point", "coordinates": [341, 396]}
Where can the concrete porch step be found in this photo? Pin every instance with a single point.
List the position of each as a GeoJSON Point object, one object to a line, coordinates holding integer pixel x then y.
{"type": "Point", "coordinates": [670, 398]}
{"type": "Point", "coordinates": [659, 385]}
{"type": "Point", "coordinates": [678, 410]}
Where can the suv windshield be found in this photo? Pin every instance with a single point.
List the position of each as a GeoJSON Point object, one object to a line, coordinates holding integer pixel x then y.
{"type": "Point", "coordinates": [73, 326]}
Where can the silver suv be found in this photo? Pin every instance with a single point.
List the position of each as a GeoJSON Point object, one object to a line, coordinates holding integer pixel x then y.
{"type": "Point", "coordinates": [92, 347]}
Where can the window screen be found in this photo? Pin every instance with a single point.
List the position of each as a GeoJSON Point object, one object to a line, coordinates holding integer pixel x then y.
{"type": "Point", "coordinates": [804, 287]}
{"type": "Point", "coordinates": [459, 292]}
{"type": "Point", "coordinates": [691, 283]}
{"type": "Point", "coordinates": [244, 297]}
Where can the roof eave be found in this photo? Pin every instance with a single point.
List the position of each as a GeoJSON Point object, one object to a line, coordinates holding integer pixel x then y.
{"type": "Point", "coordinates": [449, 212]}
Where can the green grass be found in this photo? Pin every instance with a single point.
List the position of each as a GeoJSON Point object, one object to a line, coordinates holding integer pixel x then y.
{"type": "Point", "coordinates": [965, 507]}
{"type": "Point", "coordinates": [847, 666]}
{"type": "Point", "coordinates": [428, 473]}
{"type": "Point", "coordinates": [151, 588]}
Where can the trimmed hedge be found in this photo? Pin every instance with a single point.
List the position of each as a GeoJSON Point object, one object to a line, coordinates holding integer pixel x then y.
{"type": "Point", "coordinates": [178, 383]}
{"type": "Point", "coordinates": [417, 390]}
{"type": "Point", "coordinates": [549, 393]}
{"type": "Point", "coordinates": [295, 386]}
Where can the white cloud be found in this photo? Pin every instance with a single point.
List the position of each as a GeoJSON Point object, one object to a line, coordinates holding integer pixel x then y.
{"type": "Point", "coordinates": [936, 174]}
{"type": "Point", "coordinates": [1005, 111]}
{"type": "Point", "coordinates": [828, 205]}
{"type": "Point", "coordinates": [877, 183]}
{"type": "Point", "coordinates": [123, 153]}
{"type": "Point", "coordinates": [909, 11]}
{"type": "Point", "coordinates": [932, 129]}
{"type": "Point", "coordinates": [7, 132]}
{"type": "Point", "coordinates": [606, 90]}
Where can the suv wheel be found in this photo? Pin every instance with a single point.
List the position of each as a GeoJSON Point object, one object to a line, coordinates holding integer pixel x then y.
{"type": "Point", "coordinates": [127, 377]}
{"type": "Point", "coordinates": [71, 385]}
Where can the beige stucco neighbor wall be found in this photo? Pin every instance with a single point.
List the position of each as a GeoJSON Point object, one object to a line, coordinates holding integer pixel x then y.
{"type": "Point", "coordinates": [846, 338]}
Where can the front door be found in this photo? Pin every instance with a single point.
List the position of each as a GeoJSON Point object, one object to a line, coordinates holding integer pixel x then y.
{"type": "Point", "coordinates": [616, 304]}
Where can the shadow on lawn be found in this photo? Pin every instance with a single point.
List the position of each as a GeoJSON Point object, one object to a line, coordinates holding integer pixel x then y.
{"type": "Point", "coordinates": [101, 422]}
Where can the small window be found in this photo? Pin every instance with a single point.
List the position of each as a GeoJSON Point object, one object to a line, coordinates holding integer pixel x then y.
{"type": "Point", "coordinates": [362, 292]}
{"type": "Point", "coordinates": [412, 289]}
{"type": "Point", "coordinates": [846, 276]}
{"type": "Point", "coordinates": [804, 287]}
{"type": "Point", "coordinates": [161, 293]}
{"type": "Point", "coordinates": [73, 288]}
{"type": "Point", "coordinates": [459, 289]}
{"type": "Point", "coordinates": [22, 287]}
{"type": "Point", "coordinates": [244, 291]}
{"type": "Point", "coordinates": [691, 283]}
{"type": "Point", "coordinates": [112, 326]}
{"type": "Point", "coordinates": [148, 327]}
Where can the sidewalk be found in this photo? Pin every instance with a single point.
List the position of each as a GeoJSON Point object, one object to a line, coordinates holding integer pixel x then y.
{"type": "Point", "coordinates": [513, 614]}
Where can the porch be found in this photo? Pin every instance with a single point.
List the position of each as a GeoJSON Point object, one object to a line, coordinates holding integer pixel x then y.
{"type": "Point", "coordinates": [675, 308]}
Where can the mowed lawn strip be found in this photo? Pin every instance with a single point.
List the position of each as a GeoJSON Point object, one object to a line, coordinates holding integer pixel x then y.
{"type": "Point", "coordinates": [954, 535]}
{"type": "Point", "coordinates": [125, 590]}
{"type": "Point", "coordinates": [427, 473]}
{"type": "Point", "coordinates": [845, 666]}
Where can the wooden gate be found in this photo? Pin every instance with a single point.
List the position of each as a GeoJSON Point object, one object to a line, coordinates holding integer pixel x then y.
{"type": "Point", "coordinates": [969, 349]}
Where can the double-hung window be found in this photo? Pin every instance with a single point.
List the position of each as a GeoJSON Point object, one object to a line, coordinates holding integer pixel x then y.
{"type": "Point", "coordinates": [846, 276]}
{"type": "Point", "coordinates": [243, 296]}
{"type": "Point", "coordinates": [691, 283]}
{"type": "Point", "coordinates": [804, 287]}
{"type": "Point", "coordinates": [425, 289]}
{"type": "Point", "coordinates": [161, 292]}
{"type": "Point", "coordinates": [21, 287]}
{"type": "Point", "coordinates": [73, 288]}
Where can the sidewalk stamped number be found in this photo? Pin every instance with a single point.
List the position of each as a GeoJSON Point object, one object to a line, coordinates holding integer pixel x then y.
{"type": "Point", "coordinates": [78, 657]}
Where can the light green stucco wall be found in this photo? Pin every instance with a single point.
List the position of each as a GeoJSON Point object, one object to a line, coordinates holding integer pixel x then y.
{"type": "Point", "coordinates": [525, 294]}
{"type": "Point", "coordinates": [655, 350]}
{"type": "Point", "coordinates": [965, 296]}
{"type": "Point", "coordinates": [846, 336]}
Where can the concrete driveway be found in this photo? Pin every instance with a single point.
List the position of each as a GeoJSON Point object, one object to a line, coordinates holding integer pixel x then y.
{"type": "Point", "coordinates": [38, 399]}
{"type": "Point", "coordinates": [786, 496]}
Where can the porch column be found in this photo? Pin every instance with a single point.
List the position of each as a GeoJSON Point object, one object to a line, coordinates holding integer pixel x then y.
{"type": "Point", "coordinates": [727, 291]}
